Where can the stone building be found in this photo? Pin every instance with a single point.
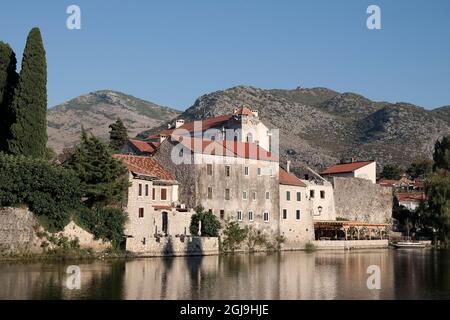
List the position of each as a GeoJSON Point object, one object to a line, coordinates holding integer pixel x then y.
{"type": "Point", "coordinates": [153, 208]}
{"type": "Point", "coordinates": [353, 169]}
{"type": "Point", "coordinates": [296, 221]}
{"type": "Point", "coordinates": [232, 179]}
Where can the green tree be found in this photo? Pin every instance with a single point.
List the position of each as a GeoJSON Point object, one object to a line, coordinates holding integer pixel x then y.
{"type": "Point", "coordinates": [441, 154]}
{"type": "Point", "coordinates": [420, 168]}
{"type": "Point", "coordinates": [29, 130]}
{"type": "Point", "coordinates": [391, 171]}
{"type": "Point", "coordinates": [8, 82]}
{"type": "Point", "coordinates": [437, 188]}
{"type": "Point", "coordinates": [210, 223]}
{"type": "Point", "coordinates": [118, 135]}
{"type": "Point", "coordinates": [103, 178]}
{"type": "Point", "coordinates": [234, 235]}
{"type": "Point", "coordinates": [50, 192]}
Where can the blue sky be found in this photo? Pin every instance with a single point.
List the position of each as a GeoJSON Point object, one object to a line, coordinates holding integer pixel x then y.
{"type": "Point", "coordinates": [171, 52]}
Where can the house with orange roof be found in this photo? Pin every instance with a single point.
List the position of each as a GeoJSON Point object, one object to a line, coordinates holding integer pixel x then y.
{"type": "Point", "coordinates": [153, 205]}
{"type": "Point", "coordinates": [353, 169]}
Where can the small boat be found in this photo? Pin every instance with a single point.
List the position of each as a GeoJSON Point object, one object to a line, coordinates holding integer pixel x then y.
{"type": "Point", "coordinates": [408, 245]}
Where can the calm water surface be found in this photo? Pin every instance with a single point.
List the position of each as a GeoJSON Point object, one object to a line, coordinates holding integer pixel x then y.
{"type": "Point", "coordinates": [405, 274]}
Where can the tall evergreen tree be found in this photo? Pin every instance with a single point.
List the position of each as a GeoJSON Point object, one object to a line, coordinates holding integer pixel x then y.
{"type": "Point", "coordinates": [29, 130]}
{"type": "Point", "coordinates": [104, 179]}
{"type": "Point", "coordinates": [8, 82]}
{"type": "Point", "coordinates": [118, 135]}
{"type": "Point", "coordinates": [441, 154]}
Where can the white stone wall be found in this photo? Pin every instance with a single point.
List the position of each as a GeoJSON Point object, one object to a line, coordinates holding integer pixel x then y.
{"type": "Point", "coordinates": [368, 172]}
{"type": "Point", "coordinates": [296, 232]}
{"type": "Point", "coordinates": [174, 246]}
{"type": "Point", "coordinates": [85, 239]}
{"type": "Point", "coordinates": [327, 203]}
{"type": "Point", "coordinates": [350, 244]}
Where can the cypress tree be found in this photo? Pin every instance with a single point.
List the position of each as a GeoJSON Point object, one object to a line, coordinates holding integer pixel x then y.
{"type": "Point", "coordinates": [118, 135]}
{"type": "Point", "coordinates": [441, 154]}
{"type": "Point", "coordinates": [29, 130]}
{"type": "Point", "coordinates": [8, 82]}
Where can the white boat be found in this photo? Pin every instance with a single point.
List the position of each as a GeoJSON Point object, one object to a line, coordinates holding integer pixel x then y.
{"type": "Point", "coordinates": [408, 245]}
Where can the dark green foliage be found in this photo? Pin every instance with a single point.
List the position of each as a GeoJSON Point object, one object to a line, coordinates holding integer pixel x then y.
{"type": "Point", "coordinates": [210, 223]}
{"type": "Point", "coordinates": [104, 179]}
{"type": "Point", "coordinates": [441, 154]}
{"type": "Point", "coordinates": [118, 135]}
{"type": "Point", "coordinates": [29, 130]}
{"type": "Point", "coordinates": [104, 223]}
{"type": "Point", "coordinates": [420, 168]}
{"type": "Point", "coordinates": [391, 171]}
{"type": "Point", "coordinates": [50, 192]}
{"type": "Point", "coordinates": [8, 82]}
{"type": "Point", "coordinates": [234, 235]}
{"type": "Point", "coordinates": [437, 188]}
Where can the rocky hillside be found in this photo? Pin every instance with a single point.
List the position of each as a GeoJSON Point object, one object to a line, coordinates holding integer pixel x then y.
{"type": "Point", "coordinates": [96, 111]}
{"type": "Point", "coordinates": [320, 126]}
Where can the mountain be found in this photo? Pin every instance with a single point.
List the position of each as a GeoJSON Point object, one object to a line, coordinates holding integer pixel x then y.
{"type": "Point", "coordinates": [319, 126]}
{"type": "Point", "coordinates": [96, 111]}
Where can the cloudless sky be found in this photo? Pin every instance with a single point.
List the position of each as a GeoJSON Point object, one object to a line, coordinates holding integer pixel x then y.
{"type": "Point", "coordinates": [171, 52]}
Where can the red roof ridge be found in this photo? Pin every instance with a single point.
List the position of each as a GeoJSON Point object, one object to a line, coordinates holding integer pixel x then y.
{"type": "Point", "coordinates": [346, 167]}
{"type": "Point", "coordinates": [288, 178]}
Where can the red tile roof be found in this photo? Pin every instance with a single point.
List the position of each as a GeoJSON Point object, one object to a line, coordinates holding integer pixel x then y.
{"type": "Point", "coordinates": [205, 124]}
{"type": "Point", "coordinates": [142, 146]}
{"type": "Point", "coordinates": [290, 179]}
{"type": "Point", "coordinates": [411, 196]}
{"type": "Point", "coordinates": [226, 148]}
{"type": "Point", "coordinates": [145, 165]}
{"type": "Point", "coordinates": [346, 167]}
{"type": "Point", "coordinates": [244, 111]}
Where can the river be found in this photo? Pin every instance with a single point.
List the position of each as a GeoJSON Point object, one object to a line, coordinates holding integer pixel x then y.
{"type": "Point", "coordinates": [404, 274]}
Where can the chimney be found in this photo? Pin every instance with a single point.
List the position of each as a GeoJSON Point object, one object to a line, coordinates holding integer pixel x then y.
{"type": "Point", "coordinates": [179, 123]}
{"type": "Point", "coordinates": [288, 166]}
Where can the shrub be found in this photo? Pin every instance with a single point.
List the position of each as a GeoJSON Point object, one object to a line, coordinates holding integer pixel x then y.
{"type": "Point", "coordinates": [234, 235]}
{"type": "Point", "coordinates": [210, 223]}
{"type": "Point", "coordinates": [104, 223]}
{"type": "Point", "coordinates": [50, 192]}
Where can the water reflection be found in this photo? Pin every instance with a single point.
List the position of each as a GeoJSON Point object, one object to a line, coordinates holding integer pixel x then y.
{"type": "Point", "coordinates": [290, 275]}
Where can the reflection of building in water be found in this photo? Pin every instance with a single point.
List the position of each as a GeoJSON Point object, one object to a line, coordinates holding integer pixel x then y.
{"type": "Point", "coordinates": [169, 278]}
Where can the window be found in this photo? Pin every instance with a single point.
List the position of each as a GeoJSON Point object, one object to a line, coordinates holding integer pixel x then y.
{"type": "Point", "coordinates": [153, 193]}
{"type": "Point", "coordinates": [284, 214]}
{"type": "Point", "coordinates": [246, 171]}
{"type": "Point", "coordinates": [222, 214]}
{"type": "Point", "coordinates": [322, 194]}
{"type": "Point", "coordinates": [266, 217]}
{"type": "Point", "coordinates": [250, 216]}
{"type": "Point", "coordinates": [297, 214]}
{"type": "Point", "coordinates": [227, 194]}
{"type": "Point", "coordinates": [141, 212]}
{"type": "Point", "coordinates": [299, 196]}
{"type": "Point", "coordinates": [144, 241]}
{"type": "Point", "coordinates": [209, 169]}
{"type": "Point", "coordinates": [244, 195]}
{"type": "Point", "coordinates": [311, 194]}
{"type": "Point", "coordinates": [146, 190]}
{"type": "Point", "coordinates": [163, 194]}
{"type": "Point", "coordinates": [259, 171]}
{"type": "Point", "coordinates": [267, 195]}
{"type": "Point", "coordinates": [306, 177]}
{"type": "Point", "coordinates": [239, 215]}
{"type": "Point", "coordinates": [140, 189]}
{"type": "Point", "coordinates": [227, 171]}
{"type": "Point", "coordinates": [288, 196]}
{"type": "Point", "coordinates": [249, 138]}
{"type": "Point", "coordinates": [254, 195]}
{"type": "Point", "coordinates": [210, 192]}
